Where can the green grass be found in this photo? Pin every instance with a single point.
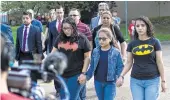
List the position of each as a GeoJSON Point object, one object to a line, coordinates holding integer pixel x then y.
{"type": "Point", "coordinates": [14, 31]}
{"type": "Point", "coordinates": [161, 32]}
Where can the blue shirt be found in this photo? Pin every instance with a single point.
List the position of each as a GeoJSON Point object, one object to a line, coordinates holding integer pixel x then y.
{"type": "Point", "coordinates": [7, 32]}
{"type": "Point", "coordinates": [38, 24]}
{"type": "Point", "coordinates": [102, 67]}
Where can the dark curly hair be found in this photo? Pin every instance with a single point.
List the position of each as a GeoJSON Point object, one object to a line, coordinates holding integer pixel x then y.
{"type": "Point", "coordinates": [74, 35]}
{"type": "Point", "coordinates": [149, 26]}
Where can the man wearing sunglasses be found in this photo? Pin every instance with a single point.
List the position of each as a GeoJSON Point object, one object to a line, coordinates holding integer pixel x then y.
{"type": "Point", "coordinates": [83, 29]}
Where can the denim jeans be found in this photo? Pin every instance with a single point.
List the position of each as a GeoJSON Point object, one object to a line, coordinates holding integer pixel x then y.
{"type": "Point", "coordinates": [73, 86]}
{"type": "Point", "coordinates": [83, 93]}
{"type": "Point", "coordinates": [105, 90]}
{"type": "Point", "coordinates": [145, 89]}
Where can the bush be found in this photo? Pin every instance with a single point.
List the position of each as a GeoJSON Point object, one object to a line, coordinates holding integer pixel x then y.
{"type": "Point", "coordinates": [161, 20]}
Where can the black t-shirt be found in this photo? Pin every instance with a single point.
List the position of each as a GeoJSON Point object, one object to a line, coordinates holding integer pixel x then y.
{"type": "Point", "coordinates": [114, 29]}
{"type": "Point", "coordinates": [144, 54]}
{"type": "Point", "coordinates": [75, 54]}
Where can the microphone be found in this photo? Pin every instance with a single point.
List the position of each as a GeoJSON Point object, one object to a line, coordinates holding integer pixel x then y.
{"type": "Point", "coordinates": [55, 63]}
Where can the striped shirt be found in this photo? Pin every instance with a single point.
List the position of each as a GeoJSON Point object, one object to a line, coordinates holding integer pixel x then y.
{"type": "Point", "coordinates": [84, 29]}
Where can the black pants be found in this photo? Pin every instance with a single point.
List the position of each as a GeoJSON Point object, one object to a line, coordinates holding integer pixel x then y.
{"type": "Point", "coordinates": [28, 56]}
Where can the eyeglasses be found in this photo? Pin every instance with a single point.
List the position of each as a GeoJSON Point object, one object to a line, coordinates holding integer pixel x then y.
{"type": "Point", "coordinates": [102, 9]}
{"type": "Point", "coordinates": [67, 28]}
{"type": "Point", "coordinates": [74, 15]}
{"type": "Point", "coordinates": [102, 38]}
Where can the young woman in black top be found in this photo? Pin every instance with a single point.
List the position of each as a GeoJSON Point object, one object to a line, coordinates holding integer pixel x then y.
{"type": "Point", "coordinates": [77, 49]}
{"type": "Point", "coordinates": [145, 55]}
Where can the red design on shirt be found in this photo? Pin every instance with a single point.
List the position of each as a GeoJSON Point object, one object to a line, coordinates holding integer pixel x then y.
{"type": "Point", "coordinates": [67, 46]}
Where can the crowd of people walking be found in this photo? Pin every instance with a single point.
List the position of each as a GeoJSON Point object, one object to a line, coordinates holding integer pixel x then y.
{"type": "Point", "coordinates": [98, 50]}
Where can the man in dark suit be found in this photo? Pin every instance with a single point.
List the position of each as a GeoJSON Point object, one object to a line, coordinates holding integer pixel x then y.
{"type": "Point", "coordinates": [28, 42]}
{"type": "Point", "coordinates": [53, 32]}
{"type": "Point", "coordinates": [5, 29]}
{"type": "Point", "coordinates": [55, 27]}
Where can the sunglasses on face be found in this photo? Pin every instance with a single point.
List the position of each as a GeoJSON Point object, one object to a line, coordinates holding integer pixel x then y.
{"type": "Point", "coordinates": [101, 9]}
{"type": "Point", "coordinates": [67, 28]}
{"type": "Point", "coordinates": [102, 38]}
{"type": "Point", "coordinates": [74, 15]}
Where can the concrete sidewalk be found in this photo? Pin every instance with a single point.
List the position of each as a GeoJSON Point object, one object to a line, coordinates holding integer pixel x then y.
{"type": "Point", "coordinates": [123, 93]}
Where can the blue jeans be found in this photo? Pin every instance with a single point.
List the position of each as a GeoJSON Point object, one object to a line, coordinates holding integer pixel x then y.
{"type": "Point", "coordinates": [104, 90]}
{"type": "Point", "coordinates": [145, 89]}
{"type": "Point", "coordinates": [73, 86]}
{"type": "Point", "coordinates": [83, 93]}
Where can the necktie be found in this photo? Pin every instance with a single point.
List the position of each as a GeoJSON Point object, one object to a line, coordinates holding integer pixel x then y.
{"type": "Point", "coordinates": [59, 26]}
{"type": "Point", "coordinates": [24, 39]}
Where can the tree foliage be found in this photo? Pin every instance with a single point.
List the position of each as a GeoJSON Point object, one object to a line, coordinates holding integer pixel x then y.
{"type": "Point", "coordinates": [44, 6]}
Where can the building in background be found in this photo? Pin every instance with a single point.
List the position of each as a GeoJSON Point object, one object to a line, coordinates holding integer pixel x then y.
{"type": "Point", "coordinates": [147, 8]}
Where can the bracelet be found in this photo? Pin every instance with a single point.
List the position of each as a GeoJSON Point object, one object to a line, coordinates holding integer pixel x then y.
{"type": "Point", "coordinates": [84, 73]}
{"type": "Point", "coordinates": [163, 81]}
{"type": "Point", "coordinates": [122, 76]}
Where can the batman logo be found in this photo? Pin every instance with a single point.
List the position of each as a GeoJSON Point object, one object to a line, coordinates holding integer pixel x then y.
{"type": "Point", "coordinates": [144, 49]}
{"type": "Point", "coordinates": [67, 46]}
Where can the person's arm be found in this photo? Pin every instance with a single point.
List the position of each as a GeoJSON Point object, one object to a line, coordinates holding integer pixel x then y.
{"type": "Point", "coordinates": [126, 68]}
{"type": "Point", "coordinates": [119, 65]}
{"type": "Point", "coordinates": [41, 27]}
{"type": "Point", "coordinates": [89, 73]}
{"type": "Point", "coordinates": [87, 54]}
{"type": "Point", "coordinates": [122, 41]}
{"type": "Point", "coordinates": [123, 46]}
{"type": "Point", "coordinates": [93, 38]}
{"type": "Point", "coordinates": [89, 35]}
{"type": "Point", "coordinates": [17, 47]}
{"type": "Point", "coordinates": [50, 40]}
{"type": "Point", "coordinates": [54, 50]}
{"type": "Point", "coordinates": [38, 43]}
{"type": "Point", "coordinates": [91, 24]}
{"type": "Point", "coordinates": [9, 31]}
{"type": "Point", "coordinates": [160, 65]}
{"type": "Point", "coordinates": [128, 64]}
{"type": "Point", "coordinates": [86, 61]}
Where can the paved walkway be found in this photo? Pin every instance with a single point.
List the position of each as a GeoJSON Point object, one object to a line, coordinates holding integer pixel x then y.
{"type": "Point", "coordinates": [123, 93]}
